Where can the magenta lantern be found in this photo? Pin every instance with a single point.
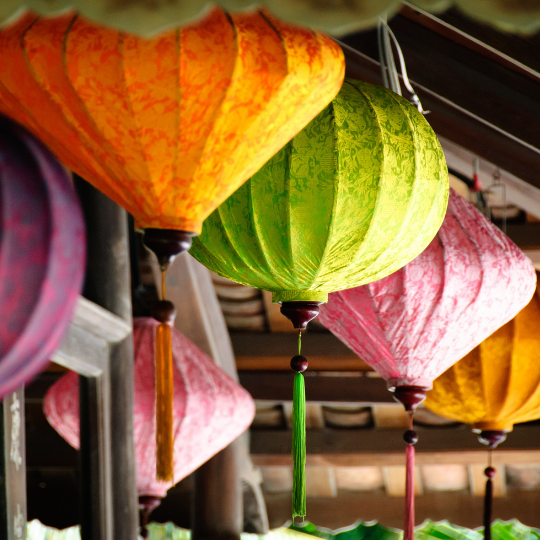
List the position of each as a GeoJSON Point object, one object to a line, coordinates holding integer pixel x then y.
{"type": "Point", "coordinates": [42, 255]}
{"type": "Point", "coordinates": [210, 409]}
{"type": "Point", "coordinates": [414, 324]}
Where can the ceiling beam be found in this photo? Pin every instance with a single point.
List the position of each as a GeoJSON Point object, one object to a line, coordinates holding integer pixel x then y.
{"type": "Point", "coordinates": [461, 508]}
{"type": "Point", "coordinates": [475, 102]}
{"type": "Point", "coordinates": [468, 77]}
{"type": "Point", "coordinates": [385, 447]}
{"type": "Point", "coordinates": [321, 386]}
{"type": "Point", "coordinates": [518, 192]}
{"type": "Point", "coordinates": [324, 351]}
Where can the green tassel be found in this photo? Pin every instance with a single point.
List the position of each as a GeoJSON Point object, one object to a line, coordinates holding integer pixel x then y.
{"type": "Point", "coordinates": [299, 447]}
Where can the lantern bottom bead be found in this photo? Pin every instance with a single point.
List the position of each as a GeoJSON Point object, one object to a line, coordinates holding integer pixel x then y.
{"type": "Point", "coordinates": [492, 438]}
{"type": "Point", "coordinates": [300, 313]}
{"type": "Point", "coordinates": [490, 472]}
{"type": "Point", "coordinates": [164, 311]}
{"type": "Point", "coordinates": [299, 363]}
{"type": "Point", "coordinates": [167, 243]}
{"type": "Point", "coordinates": [410, 396]}
{"type": "Point", "coordinates": [410, 436]}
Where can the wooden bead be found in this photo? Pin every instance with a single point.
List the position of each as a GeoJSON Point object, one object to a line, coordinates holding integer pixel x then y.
{"type": "Point", "coordinates": [300, 313]}
{"type": "Point", "coordinates": [164, 311]}
{"type": "Point", "coordinates": [299, 363]}
{"type": "Point", "coordinates": [410, 437]}
{"type": "Point", "coordinates": [167, 243]}
{"type": "Point", "coordinates": [490, 472]}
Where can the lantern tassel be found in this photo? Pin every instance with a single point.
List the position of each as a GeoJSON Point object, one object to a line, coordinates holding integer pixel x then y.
{"type": "Point", "coordinates": [488, 499]}
{"type": "Point", "coordinates": [164, 312]}
{"type": "Point", "coordinates": [299, 364]}
{"type": "Point", "coordinates": [164, 404]}
{"type": "Point", "coordinates": [409, 494]}
{"type": "Point", "coordinates": [411, 438]}
{"type": "Point", "coordinates": [299, 446]}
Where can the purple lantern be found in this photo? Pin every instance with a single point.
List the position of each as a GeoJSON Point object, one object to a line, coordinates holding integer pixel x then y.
{"type": "Point", "coordinates": [42, 255]}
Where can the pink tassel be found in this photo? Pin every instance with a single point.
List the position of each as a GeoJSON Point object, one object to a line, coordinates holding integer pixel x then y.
{"type": "Point", "coordinates": [409, 494]}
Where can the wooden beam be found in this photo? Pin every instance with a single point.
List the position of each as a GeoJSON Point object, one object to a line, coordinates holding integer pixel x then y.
{"type": "Point", "coordinates": [392, 459]}
{"type": "Point", "coordinates": [321, 386]}
{"type": "Point", "coordinates": [384, 447]}
{"type": "Point", "coordinates": [512, 51]}
{"type": "Point", "coordinates": [518, 192]}
{"type": "Point", "coordinates": [521, 48]}
{"type": "Point", "coordinates": [526, 235]}
{"type": "Point", "coordinates": [488, 87]}
{"type": "Point", "coordinates": [461, 124]}
{"type": "Point", "coordinates": [324, 351]}
{"type": "Point", "coordinates": [389, 416]}
{"type": "Point", "coordinates": [460, 508]}
{"type": "Point", "coordinates": [394, 481]}
{"type": "Point", "coordinates": [320, 482]}
{"type": "Point", "coordinates": [13, 467]}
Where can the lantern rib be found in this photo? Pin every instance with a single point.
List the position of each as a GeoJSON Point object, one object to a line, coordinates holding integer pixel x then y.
{"type": "Point", "coordinates": [259, 246]}
{"type": "Point", "coordinates": [514, 365]}
{"type": "Point", "coordinates": [436, 307]}
{"type": "Point", "coordinates": [359, 253]}
{"type": "Point", "coordinates": [232, 243]}
{"type": "Point", "coordinates": [390, 357]}
{"type": "Point", "coordinates": [36, 127]}
{"type": "Point", "coordinates": [336, 184]}
{"type": "Point", "coordinates": [287, 184]}
{"type": "Point", "coordinates": [149, 185]}
{"type": "Point", "coordinates": [218, 110]}
{"type": "Point", "coordinates": [110, 189]}
{"type": "Point", "coordinates": [405, 224]}
{"type": "Point", "coordinates": [178, 95]}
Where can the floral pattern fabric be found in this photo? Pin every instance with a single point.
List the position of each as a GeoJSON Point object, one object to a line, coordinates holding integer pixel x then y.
{"type": "Point", "coordinates": [42, 255]}
{"type": "Point", "coordinates": [413, 325]}
{"type": "Point", "coordinates": [210, 409]}
{"type": "Point", "coordinates": [169, 126]}
{"type": "Point", "coordinates": [352, 198]}
{"type": "Point", "coordinates": [497, 384]}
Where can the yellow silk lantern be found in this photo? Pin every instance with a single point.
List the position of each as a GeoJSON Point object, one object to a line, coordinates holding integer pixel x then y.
{"type": "Point", "coordinates": [497, 384]}
{"type": "Point", "coordinates": [169, 126]}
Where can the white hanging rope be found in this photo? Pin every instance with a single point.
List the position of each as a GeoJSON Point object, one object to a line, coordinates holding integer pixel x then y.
{"type": "Point", "coordinates": [385, 38]}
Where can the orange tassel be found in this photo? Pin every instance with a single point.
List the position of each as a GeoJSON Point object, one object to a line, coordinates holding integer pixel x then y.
{"type": "Point", "coordinates": [164, 404]}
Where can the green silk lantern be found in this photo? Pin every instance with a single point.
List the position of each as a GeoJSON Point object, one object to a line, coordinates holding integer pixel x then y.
{"type": "Point", "coordinates": [352, 198]}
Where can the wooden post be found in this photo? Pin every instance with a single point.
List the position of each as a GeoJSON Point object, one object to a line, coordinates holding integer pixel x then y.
{"type": "Point", "coordinates": [13, 467]}
{"type": "Point", "coordinates": [217, 512]}
{"type": "Point", "coordinates": [108, 285]}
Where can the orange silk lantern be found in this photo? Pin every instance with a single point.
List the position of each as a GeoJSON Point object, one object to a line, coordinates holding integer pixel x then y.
{"type": "Point", "coordinates": [169, 126]}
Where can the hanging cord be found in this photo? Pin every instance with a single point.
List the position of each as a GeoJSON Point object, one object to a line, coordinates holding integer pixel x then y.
{"type": "Point", "coordinates": [390, 76]}
{"type": "Point", "coordinates": [299, 364]}
{"type": "Point", "coordinates": [411, 438]}
{"type": "Point", "coordinates": [164, 313]}
{"type": "Point", "coordinates": [488, 497]}
{"type": "Point", "coordinates": [497, 184]}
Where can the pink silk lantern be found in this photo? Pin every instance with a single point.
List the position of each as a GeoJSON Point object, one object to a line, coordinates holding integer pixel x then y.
{"type": "Point", "coordinates": [210, 409]}
{"type": "Point", "coordinates": [414, 324]}
{"type": "Point", "coordinates": [42, 255]}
